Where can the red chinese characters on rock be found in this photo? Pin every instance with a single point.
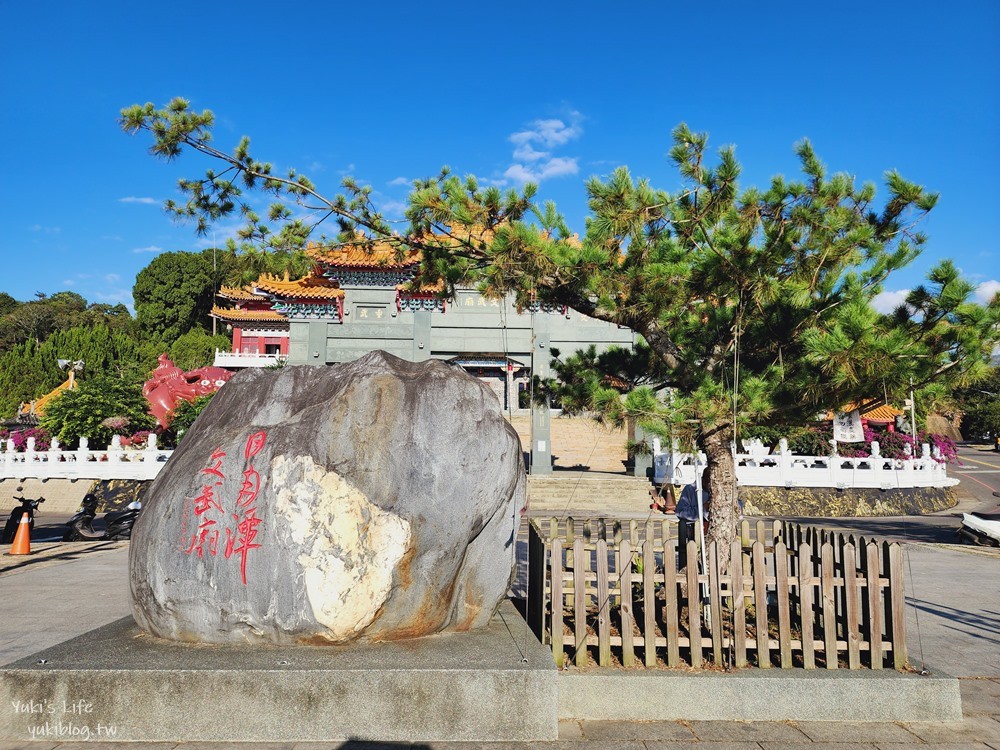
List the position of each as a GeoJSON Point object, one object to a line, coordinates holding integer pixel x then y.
{"type": "Point", "coordinates": [236, 528]}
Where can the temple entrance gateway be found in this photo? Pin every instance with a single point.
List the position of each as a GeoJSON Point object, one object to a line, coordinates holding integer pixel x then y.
{"type": "Point", "coordinates": [503, 375]}
{"type": "Point", "coordinates": [358, 300]}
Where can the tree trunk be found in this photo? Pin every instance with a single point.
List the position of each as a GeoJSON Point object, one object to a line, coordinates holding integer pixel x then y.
{"type": "Point", "coordinates": [724, 525]}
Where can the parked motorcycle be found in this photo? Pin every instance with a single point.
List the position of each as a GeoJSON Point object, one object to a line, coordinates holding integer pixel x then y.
{"type": "Point", "coordinates": [118, 524]}
{"type": "Point", "coordinates": [981, 528]}
{"type": "Point", "coordinates": [26, 506]}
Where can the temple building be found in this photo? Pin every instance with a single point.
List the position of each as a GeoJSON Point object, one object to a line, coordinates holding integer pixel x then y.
{"type": "Point", "coordinates": [358, 300]}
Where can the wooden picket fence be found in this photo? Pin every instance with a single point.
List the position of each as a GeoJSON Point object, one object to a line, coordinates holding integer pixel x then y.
{"type": "Point", "coordinates": [601, 591]}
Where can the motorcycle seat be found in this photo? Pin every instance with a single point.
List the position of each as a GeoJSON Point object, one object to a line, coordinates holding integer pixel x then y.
{"type": "Point", "coordinates": [987, 516]}
{"type": "Point", "coordinates": [117, 515]}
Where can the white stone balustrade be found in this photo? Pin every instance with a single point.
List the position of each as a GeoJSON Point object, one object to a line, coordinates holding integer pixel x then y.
{"type": "Point", "coordinates": [113, 462]}
{"type": "Point", "coordinates": [757, 468]}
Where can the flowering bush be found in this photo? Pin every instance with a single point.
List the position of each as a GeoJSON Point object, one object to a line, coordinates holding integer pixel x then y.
{"type": "Point", "coordinates": [815, 441]}
{"type": "Point", "coordinates": [116, 424]}
{"type": "Point", "coordinates": [20, 437]}
{"type": "Point", "coordinates": [900, 445]}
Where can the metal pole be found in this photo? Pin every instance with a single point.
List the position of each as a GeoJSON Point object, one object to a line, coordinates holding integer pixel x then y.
{"type": "Point", "coordinates": [701, 522]}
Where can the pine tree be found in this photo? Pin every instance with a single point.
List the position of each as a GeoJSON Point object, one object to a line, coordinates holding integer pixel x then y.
{"type": "Point", "coordinates": [757, 303]}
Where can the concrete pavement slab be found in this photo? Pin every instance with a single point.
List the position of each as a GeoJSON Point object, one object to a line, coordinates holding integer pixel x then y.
{"type": "Point", "coordinates": [570, 729]}
{"type": "Point", "coordinates": [970, 729]}
{"type": "Point", "coordinates": [953, 613]}
{"type": "Point", "coordinates": [747, 731]}
{"type": "Point", "coordinates": [638, 730]}
{"type": "Point", "coordinates": [579, 745]}
{"type": "Point", "coordinates": [45, 605]}
{"type": "Point", "coordinates": [854, 731]}
{"type": "Point", "coordinates": [980, 696]}
{"type": "Point", "coordinates": [433, 688]}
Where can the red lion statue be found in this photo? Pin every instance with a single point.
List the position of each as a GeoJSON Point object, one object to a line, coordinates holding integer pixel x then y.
{"type": "Point", "coordinates": [169, 385]}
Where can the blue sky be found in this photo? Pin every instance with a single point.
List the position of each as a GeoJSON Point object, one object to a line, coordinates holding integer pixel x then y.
{"type": "Point", "coordinates": [558, 91]}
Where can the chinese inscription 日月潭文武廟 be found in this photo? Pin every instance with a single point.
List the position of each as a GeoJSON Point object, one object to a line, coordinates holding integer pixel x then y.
{"type": "Point", "coordinates": [235, 528]}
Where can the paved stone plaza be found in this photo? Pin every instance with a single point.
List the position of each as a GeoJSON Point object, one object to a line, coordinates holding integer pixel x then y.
{"type": "Point", "coordinates": [68, 589]}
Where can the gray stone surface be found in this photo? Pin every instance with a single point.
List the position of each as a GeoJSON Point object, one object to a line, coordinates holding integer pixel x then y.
{"type": "Point", "coordinates": [50, 601]}
{"type": "Point", "coordinates": [746, 731]}
{"type": "Point", "coordinates": [377, 499]}
{"type": "Point", "coordinates": [647, 730]}
{"type": "Point", "coordinates": [952, 618]}
{"type": "Point", "coordinates": [853, 731]}
{"type": "Point", "coordinates": [759, 695]}
{"type": "Point", "coordinates": [970, 729]}
{"type": "Point", "coordinates": [495, 683]}
{"type": "Point", "coordinates": [980, 696]}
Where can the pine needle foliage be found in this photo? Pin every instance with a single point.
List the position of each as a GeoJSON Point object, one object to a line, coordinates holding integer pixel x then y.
{"type": "Point", "coordinates": [755, 302]}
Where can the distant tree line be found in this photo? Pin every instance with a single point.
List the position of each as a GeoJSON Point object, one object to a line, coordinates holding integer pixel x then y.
{"type": "Point", "coordinates": [173, 298]}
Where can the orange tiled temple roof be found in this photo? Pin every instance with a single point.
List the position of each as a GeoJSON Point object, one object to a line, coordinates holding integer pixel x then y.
{"type": "Point", "coordinates": [235, 315]}
{"type": "Point", "coordinates": [37, 407]}
{"type": "Point", "coordinates": [379, 255]}
{"type": "Point", "coordinates": [884, 413]}
{"type": "Point", "coordinates": [237, 293]}
{"type": "Point", "coordinates": [308, 287]}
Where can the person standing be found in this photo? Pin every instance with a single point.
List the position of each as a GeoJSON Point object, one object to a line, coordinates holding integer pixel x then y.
{"type": "Point", "coordinates": [687, 513]}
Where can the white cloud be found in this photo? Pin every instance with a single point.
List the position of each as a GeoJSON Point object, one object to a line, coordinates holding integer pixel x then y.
{"type": "Point", "coordinates": [986, 291]}
{"type": "Point", "coordinates": [533, 164]}
{"type": "Point", "coordinates": [526, 152]}
{"type": "Point", "coordinates": [886, 302]}
{"type": "Point", "coordinates": [112, 237]}
{"type": "Point", "coordinates": [400, 181]}
{"type": "Point", "coordinates": [348, 170]}
{"type": "Point", "coordinates": [551, 133]}
{"type": "Point", "coordinates": [148, 249]}
{"type": "Point", "coordinates": [134, 199]}
{"type": "Point", "coordinates": [556, 167]}
{"type": "Point", "coordinates": [315, 166]}
{"type": "Point", "coordinates": [47, 230]}
{"type": "Point", "coordinates": [111, 278]}
{"type": "Point", "coordinates": [68, 282]}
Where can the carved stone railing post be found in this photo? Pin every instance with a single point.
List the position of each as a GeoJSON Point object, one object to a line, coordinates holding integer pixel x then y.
{"type": "Point", "coordinates": [83, 452]}
{"type": "Point", "coordinates": [115, 453]}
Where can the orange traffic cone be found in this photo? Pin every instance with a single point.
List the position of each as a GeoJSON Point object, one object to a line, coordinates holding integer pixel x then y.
{"type": "Point", "coordinates": [22, 539]}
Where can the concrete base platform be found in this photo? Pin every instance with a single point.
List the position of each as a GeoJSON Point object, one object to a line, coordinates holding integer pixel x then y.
{"type": "Point", "coordinates": [759, 695]}
{"type": "Point", "coordinates": [117, 683]}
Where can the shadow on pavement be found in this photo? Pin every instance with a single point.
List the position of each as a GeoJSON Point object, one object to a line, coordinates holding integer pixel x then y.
{"type": "Point", "coordinates": [983, 624]}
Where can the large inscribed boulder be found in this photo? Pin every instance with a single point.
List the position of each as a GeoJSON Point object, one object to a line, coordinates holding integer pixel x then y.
{"type": "Point", "coordinates": [373, 500]}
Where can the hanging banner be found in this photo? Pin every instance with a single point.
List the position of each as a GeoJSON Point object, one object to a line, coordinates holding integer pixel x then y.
{"type": "Point", "coordinates": [847, 427]}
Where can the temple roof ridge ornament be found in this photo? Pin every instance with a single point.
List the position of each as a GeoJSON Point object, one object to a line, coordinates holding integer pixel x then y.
{"type": "Point", "coordinates": [245, 293]}
{"type": "Point", "coordinates": [310, 286]}
{"type": "Point", "coordinates": [371, 255]}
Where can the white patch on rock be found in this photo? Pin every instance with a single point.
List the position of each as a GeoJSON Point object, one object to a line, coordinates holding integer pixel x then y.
{"type": "Point", "coordinates": [350, 546]}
